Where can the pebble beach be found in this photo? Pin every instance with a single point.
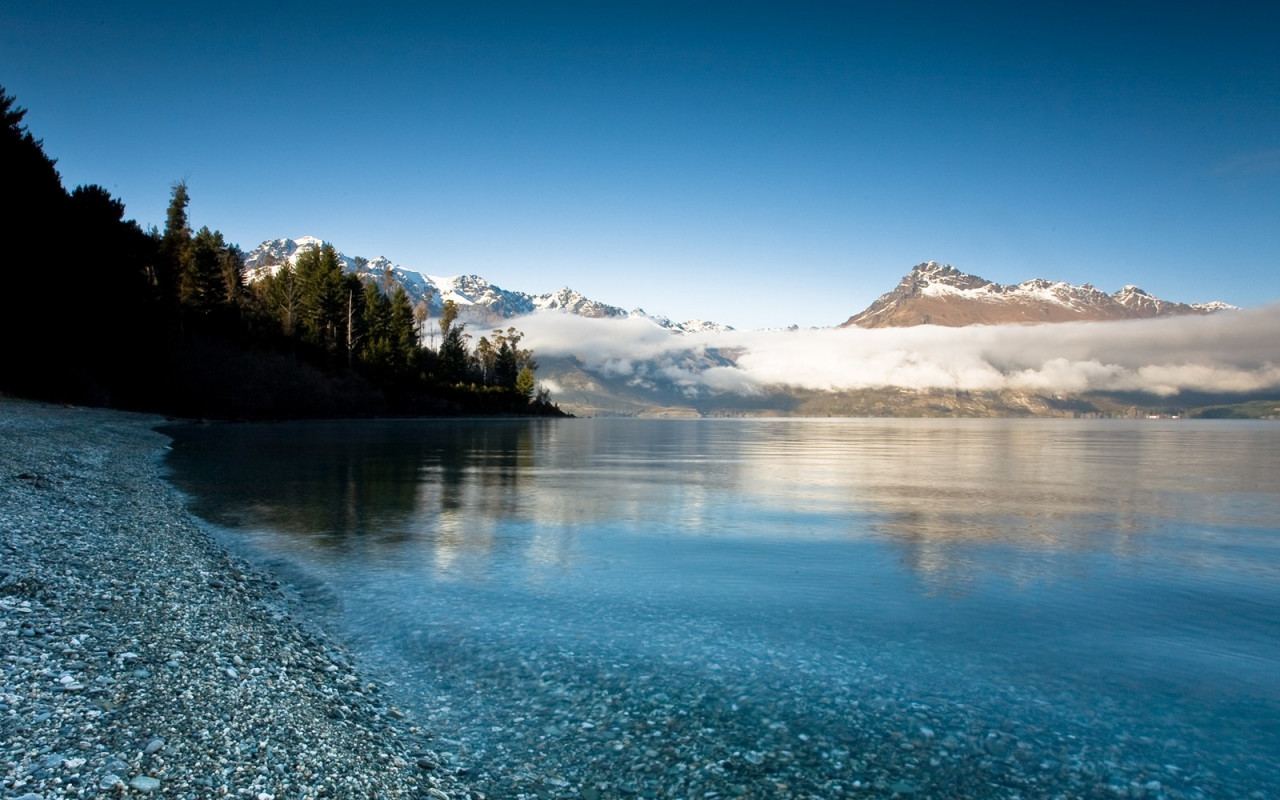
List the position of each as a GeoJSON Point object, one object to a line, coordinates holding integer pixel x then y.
{"type": "Point", "coordinates": [140, 658]}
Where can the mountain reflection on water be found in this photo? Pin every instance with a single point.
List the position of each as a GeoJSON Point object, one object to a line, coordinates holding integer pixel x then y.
{"type": "Point", "coordinates": [936, 489]}
{"type": "Point", "coordinates": [1074, 608]}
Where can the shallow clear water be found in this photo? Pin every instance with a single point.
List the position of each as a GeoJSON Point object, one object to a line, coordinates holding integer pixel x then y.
{"type": "Point", "coordinates": [773, 608]}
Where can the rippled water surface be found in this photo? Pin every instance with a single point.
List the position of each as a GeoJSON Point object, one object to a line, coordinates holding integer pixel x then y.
{"type": "Point", "coordinates": [791, 608]}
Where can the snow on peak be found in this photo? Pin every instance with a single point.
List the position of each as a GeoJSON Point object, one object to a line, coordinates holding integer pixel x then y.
{"type": "Point", "coordinates": [269, 256]}
{"type": "Point", "coordinates": [939, 294]}
{"type": "Point", "coordinates": [1215, 305]}
{"type": "Point", "coordinates": [478, 300]}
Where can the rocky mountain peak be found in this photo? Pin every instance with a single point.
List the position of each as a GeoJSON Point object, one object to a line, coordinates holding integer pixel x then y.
{"type": "Point", "coordinates": [939, 294]}
{"type": "Point", "coordinates": [478, 301]}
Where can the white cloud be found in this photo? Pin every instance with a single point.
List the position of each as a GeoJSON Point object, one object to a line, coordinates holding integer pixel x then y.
{"type": "Point", "coordinates": [1230, 351]}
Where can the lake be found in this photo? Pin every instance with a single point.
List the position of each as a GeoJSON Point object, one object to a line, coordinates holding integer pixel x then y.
{"type": "Point", "coordinates": [789, 608]}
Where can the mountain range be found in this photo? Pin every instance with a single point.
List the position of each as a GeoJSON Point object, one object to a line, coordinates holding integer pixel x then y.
{"type": "Point", "coordinates": [598, 359]}
{"type": "Point", "coordinates": [930, 294]}
{"type": "Point", "coordinates": [478, 301]}
{"type": "Point", "coordinates": [940, 294]}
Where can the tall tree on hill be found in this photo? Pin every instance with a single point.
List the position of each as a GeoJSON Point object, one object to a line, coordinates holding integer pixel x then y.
{"type": "Point", "coordinates": [525, 383]}
{"type": "Point", "coordinates": [375, 323]}
{"type": "Point", "coordinates": [28, 166]}
{"type": "Point", "coordinates": [81, 353]}
{"type": "Point", "coordinates": [113, 258]}
{"type": "Point", "coordinates": [510, 360]}
{"type": "Point", "coordinates": [273, 301]}
{"type": "Point", "coordinates": [404, 336]}
{"type": "Point", "coordinates": [115, 301]}
{"type": "Point", "coordinates": [34, 201]}
{"type": "Point", "coordinates": [174, 244]}
{"type": "Point", "coordinates": [232, 259]}
{"type": "Point", "coordinates": [322, 295]}
{"type": "Point", "coordinates": [32, 186]}
{"type": "Point", "coordinates": [390, 338]}
{"type": "Point", "coordinates": [485, 358]}
{"type": "Point", "coordinates": [421, 311]}
{"type": "Point", "coordinates": [506, 365]}
{"type": "Point", "coordinates": [452, 363]}
{"type": "Point", "coordinates": [202, 289]}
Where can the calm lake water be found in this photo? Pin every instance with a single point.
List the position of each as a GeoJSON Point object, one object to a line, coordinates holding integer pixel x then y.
{"type": "Point", "coordinates": [790, 608]}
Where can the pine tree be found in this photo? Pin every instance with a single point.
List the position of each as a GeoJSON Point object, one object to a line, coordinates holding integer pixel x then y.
{"type": "Point", "coordinates": [232, 261]}
{"type": "Point", "coordinates": [509, 359]}
{"type": "Point", "coordinates": [505, 368]}
{"type": "Point", "coordinates": [403, 335]}
{"type": "Point", "coordinates": [31, 183]}
{"type": "Point", "coordinates": [281, 297]}
{"type": "Point", "coordinates": [525, 383]}
{"type": "Point", "coordinates": [202, 286]}
{"type": "Point", "coordinates": [375, 322]}
{"type": "Point", "coordinates": [452, 357]}
{"type": "Point", "coordinates": [174, 244]}
{"type": "Point", "coordinates": [115, 269]}
{"type": "Point", "coordinates": [32, 216]}
{"type": "Point", "coordinates": [322, 296]}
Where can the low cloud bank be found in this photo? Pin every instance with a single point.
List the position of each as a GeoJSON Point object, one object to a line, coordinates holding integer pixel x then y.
{"type": "Point", "coordinates": [1235, 351]}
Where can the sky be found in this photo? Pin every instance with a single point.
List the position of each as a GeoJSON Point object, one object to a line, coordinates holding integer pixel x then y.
{"type": "Point", "coordinates": [758, 164]}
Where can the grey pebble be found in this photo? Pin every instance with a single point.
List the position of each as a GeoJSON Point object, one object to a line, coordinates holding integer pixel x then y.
{"type": "Point", "coordinates": [103, 571]}
{"type": "Point", "coordinates": [144, 783]}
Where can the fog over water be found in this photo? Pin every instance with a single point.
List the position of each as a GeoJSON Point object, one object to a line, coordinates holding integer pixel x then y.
{"type": "Point", "coordinates": [1224, 352]}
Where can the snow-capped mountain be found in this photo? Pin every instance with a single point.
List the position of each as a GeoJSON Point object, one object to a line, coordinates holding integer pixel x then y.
{"type": "Point", "coordinates": [478, 300]}
{"type": "Point", "coordinates": [940, 294]}
{"type": "Point", "coordinates": [568, 300]}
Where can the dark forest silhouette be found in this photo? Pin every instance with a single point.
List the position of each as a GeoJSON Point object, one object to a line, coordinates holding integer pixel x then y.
{"type": "Point", "coordinates": [101, 312]}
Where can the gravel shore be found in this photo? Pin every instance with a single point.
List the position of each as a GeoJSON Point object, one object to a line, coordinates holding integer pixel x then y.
{"type": "Point", "coordinates": [138, 657]}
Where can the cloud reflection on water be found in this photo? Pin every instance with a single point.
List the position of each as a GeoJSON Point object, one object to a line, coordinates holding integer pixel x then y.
{"type": "Point", "coordinates": [468, 500]}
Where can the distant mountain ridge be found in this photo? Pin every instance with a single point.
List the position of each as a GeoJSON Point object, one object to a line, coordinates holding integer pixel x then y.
{"type": "Point", "coordinates": [940, 294]}
{"type": "Point", "coordinates": [478, 300]}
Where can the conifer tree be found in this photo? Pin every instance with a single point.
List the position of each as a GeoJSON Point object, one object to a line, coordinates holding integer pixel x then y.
{"type": "Point", "coordinates": [33, 205]}
{"type": "Point", "coordinates": [404, 337]}
{"type": "Point", "coordinates": [505, 367]}
{"type": "Point", "coordinates": [375, 322]}
{"type": "Point", "coordinates": [232, 261]}
{"type": "Point", "coordinates": [174, 244]}
{"type": "Point", "coordinates": [202, 286]}
{"type": "Point", "coordinates": [452, 366]}
{"type": "Point", "coordinates": [116, 274]}
{"type": "Point", "coordinates": [32, 188]}
{"type": "Point", "coordinates": [26, 164]}
{"type": "Point", "coordinates": [322, 296]}
{"type": "Point", "coordinates": [525, 383]}
{"type": "Point", "coordinates": [281, 297]}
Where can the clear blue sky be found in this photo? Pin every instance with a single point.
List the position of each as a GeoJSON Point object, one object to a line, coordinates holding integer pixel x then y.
{"type": "Point", "coordinates": [758, 164]}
